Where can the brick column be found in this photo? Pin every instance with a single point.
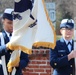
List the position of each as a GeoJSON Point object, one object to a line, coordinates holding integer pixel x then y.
{"type": "Point", "coordinates": [39, 63]}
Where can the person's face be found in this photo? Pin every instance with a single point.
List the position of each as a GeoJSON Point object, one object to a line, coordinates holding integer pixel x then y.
{"type": "Point", "coordinates": [67, 33]}
{"type": "Point", "coordinates": [8, 25]}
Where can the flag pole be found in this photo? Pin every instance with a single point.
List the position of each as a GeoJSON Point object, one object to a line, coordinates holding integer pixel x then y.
{"type": "Point", "coordinates": [75, 41]}
{"type": "Point", "coordinates": [9, 73]}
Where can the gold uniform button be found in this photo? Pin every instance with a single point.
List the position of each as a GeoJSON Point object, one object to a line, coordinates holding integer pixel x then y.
{"type": "Point", "coordinates": [55, 64]}
{"type": "Point", "coordinates": [71, 66]}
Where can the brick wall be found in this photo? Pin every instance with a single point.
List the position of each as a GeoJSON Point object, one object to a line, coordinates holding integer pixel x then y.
{"type": "Point", "coordinates": [39, 63]}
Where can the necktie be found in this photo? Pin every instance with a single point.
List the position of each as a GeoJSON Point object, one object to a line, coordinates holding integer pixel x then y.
{"type": "Point", "coordinates": [10, 35]}
{"type": "Point", "coordinates": [69, 46]}
{"type": "Point", "coordinates": [69, 43]}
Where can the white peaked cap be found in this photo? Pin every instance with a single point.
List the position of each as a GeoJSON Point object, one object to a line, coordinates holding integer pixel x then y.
{"type": "Point", "coordinates": [8, 10]}
{"type": "Point", "coordinates": [65, 20]}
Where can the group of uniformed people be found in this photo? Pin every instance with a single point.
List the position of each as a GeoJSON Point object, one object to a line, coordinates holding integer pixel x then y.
{"type": "Point", "coordinates": [61, 57]}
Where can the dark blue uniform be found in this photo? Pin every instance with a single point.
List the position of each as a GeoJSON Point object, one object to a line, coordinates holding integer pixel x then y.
{"type": "Point", "coordinates": [23, 58]}
{"type": "Point", "coordinates": [59, 59]}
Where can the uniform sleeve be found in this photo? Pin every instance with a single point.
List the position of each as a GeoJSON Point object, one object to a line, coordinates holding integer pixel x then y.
{"type": "Point", "coordinates": [2, 49]}
{"type": "Point", "coordinates": [23, 60]}
{"type": "Point", "coordinates": [57, 62]}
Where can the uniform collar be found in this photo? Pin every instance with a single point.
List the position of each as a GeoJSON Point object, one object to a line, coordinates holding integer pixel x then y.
{"type": "Point", "coordinates": [7, 33]}
{"type": "Point", "coordinates": [66, 41]}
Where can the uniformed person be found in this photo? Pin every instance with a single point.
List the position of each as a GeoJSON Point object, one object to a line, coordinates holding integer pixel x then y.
{"type": "Point", "coordinates": [5, 36]}
{"type": "Point", "coordinates": [62, 57]}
